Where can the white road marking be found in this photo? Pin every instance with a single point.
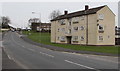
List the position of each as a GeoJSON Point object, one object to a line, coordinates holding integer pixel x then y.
{"type": "Point", "coordinates": [42, 53]}
{"type": "Point", "coordinates": [46, 54]}
{"type": "Point", "coordinates": [9, 57]}
{"type": "Point", "coordinates": [97, 57]}
{"type": "Point", "coordinates": [79, 64]}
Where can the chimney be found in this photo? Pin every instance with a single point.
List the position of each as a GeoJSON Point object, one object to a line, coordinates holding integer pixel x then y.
{"type": "Point", "coordinates": [65, 12]}
{"type": "Point", "coordinates": [86, 7]}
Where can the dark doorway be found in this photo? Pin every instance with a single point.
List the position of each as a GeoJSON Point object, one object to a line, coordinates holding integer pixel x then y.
{"type": "Point", "coordinates": [69, 39]}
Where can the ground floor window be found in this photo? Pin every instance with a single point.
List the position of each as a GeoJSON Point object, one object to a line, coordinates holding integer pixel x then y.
{"type": "Point", "coordinates": [75, 38]}
{"type": "Point", "coordinates": [62, 38]}
{"type": "Point", "coordinates": [100, 38]}
{"type": "Point", "coordinates": [81, 38]}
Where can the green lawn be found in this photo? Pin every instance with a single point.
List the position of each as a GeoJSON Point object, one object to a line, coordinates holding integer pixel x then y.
{"type": "Point", "coordinates": [45, 39]}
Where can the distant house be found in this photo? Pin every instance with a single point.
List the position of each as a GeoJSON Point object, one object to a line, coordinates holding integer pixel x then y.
{"type": "Point", "coordinates": [117, 35]}
{"type": "Point", "coordinates": [94, 26]}
{"type": "Point", "coordinates": [41, 27]}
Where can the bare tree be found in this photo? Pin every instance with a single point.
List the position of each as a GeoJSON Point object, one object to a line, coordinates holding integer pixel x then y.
{"type": "Point", "coordinates": [33, 20]}
{"type": "Point", "coordinates": [54, 14]}
{"type": "Point", "coordinates": [5, 21]}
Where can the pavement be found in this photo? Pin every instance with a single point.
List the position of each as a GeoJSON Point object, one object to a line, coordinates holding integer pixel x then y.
{"type": "Point", "coordinates": [0, 51]}
{"type": "Point", "coordinates": [29, 56]}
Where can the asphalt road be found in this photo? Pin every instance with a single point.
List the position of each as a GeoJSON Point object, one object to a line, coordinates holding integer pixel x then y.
{"type": "Point", "coordinates": [29, 56]}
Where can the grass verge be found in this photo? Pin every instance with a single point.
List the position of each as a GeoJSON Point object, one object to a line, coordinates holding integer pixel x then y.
{"type": "Point", "coordinates": [44, 38]}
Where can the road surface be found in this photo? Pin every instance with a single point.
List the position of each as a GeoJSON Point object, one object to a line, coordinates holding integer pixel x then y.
{"type": "Point", "coordinates": [30, 56]}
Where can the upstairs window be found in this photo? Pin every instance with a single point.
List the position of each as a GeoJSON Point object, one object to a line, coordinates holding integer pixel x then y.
{"type": "Point", "coordinates": [75, 20]}
{"type": "Point", "coordinates": [69, 21]}
{"type": "Point", "coordinates": [62, 22]}
{"type": "Point", "coordinates": [69, 31]}
{"type": "Point", "coordinates": [101, 16]}
{"type": "Point", "coordinates": [58, 29]}
{"type": "Point", "coordinates": [82, 17]}
{"type": "Point", "coordinates": [75, 28]}
{"type": "Point", "coordinates": [101, 28]}
{"type": "Point", "coordinates": [62, 29]}
{"type": "Point", "coordinates": [81, 27]}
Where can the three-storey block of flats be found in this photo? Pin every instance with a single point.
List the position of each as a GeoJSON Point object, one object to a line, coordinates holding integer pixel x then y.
{"type": "Point", "coordinates": [94, 26]}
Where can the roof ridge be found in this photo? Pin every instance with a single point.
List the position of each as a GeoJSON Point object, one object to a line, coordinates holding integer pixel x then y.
{"type": "Point", "coordinates": [78, 13]}
{"type": "Point", "coordinates": [88, 9]}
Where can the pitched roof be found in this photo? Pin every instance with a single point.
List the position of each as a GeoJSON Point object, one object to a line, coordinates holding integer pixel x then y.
{"type": "Point", "coordinates": [79, 13]}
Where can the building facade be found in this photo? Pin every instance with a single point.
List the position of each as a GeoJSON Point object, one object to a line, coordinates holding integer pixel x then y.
{"type": "Point", "coordinates": [41, 27]}
{"type": "Point", "coordinates": [117, 36]}
{"type": "Point", "coordinates": [95, 26]}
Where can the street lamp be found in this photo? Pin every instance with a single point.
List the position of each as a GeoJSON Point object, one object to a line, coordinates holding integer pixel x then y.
{"type": "Point", "coordinates": [39, 19]}
{"type": "Point", "coordinates": [38, 14]}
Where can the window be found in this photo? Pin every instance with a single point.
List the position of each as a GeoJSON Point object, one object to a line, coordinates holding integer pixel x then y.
{"type": "Point", "coordinates": [62, 38]}
{"type": "Point", "coordinates": [75, 20]}
{"type": "Point", "coordinates": [58, 38]}
{"type": "Point", "coordinates": [101, 28]}
{"type": "Point", "coordinates": [62, 22]}
{"type": "Point", "coordinates": [69, 20]}
{"type": "Point", "coordinates": [101, 16]}
{"type": "Point", "coordinates": [108, 36]}
{"type": "Point", "coordinates": [75, 38]}
{"type": "Point", "coordinates": [58, 29]}
{"type": "Point", "coordinates": [100, 38]}
{"type": "Point", "coordinates": [75, 28]}
{"type": "Point", "coordinates": [38, 28]}
{"type": "Point", "coordinates": [81, 38]}
{"type": "Point", "coordinates": [82, 17]}
{"type": "Point", "coordinates": [69, 31]}
{"type": "Point", "coordinates": [62, 29]}
{"type": "Point", "coordinates": [81, 27]}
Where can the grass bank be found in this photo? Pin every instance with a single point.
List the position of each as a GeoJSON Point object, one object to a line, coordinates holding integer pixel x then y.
{"type": "Point", "coordinates": [44, 38]}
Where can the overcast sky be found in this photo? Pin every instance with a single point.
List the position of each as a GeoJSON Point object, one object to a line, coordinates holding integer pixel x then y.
{"type": "Point", "coordinates": [20, 12]}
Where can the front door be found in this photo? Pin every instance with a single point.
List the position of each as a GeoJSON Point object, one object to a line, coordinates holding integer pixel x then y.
{"type": "Point", "coordinates": [69, 39]}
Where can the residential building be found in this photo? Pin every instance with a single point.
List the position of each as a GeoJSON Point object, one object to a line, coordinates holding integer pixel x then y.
{"type": "Point", "coordinates": [95, 26]}
{"type": "Point", "coordinates": [117, 35]}
{"type": "Point", "coordinates": [41, 27]}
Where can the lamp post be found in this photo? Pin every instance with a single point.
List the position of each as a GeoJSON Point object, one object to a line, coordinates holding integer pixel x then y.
{"type": "Point", "coordinates": [39, 20]}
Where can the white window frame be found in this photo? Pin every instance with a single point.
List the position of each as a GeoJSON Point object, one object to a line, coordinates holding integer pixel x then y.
{"type": "Point", "coordinates": [82, 38]}
{"type": "Point", "coordinates": [99, 27]}
{"type": "Point", "coordinates": [62, 22]}
{"type": "Point", "coordinates": [62, 38]}
{"type": "Point", "coordinates": [74, 38]}
{"type": "Point", "coordinates": [38, 28]}
{"type": "Point", "coordinates": [82, 17]}
{"type": "Point", "coordinates": [62, 29]}
{"type": "Point", "coordinates": [101, 16]}
{"type": "Point", "coordinates": [74, 29]}
{"type": "Point", "coordinates": [82, 27]}
{"type": "Point", "coordinates": [100, 38]}
{"type": "Point", "coordinates": [75, 20]}
{"type": "Point", "coordinates": [69, 32]}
